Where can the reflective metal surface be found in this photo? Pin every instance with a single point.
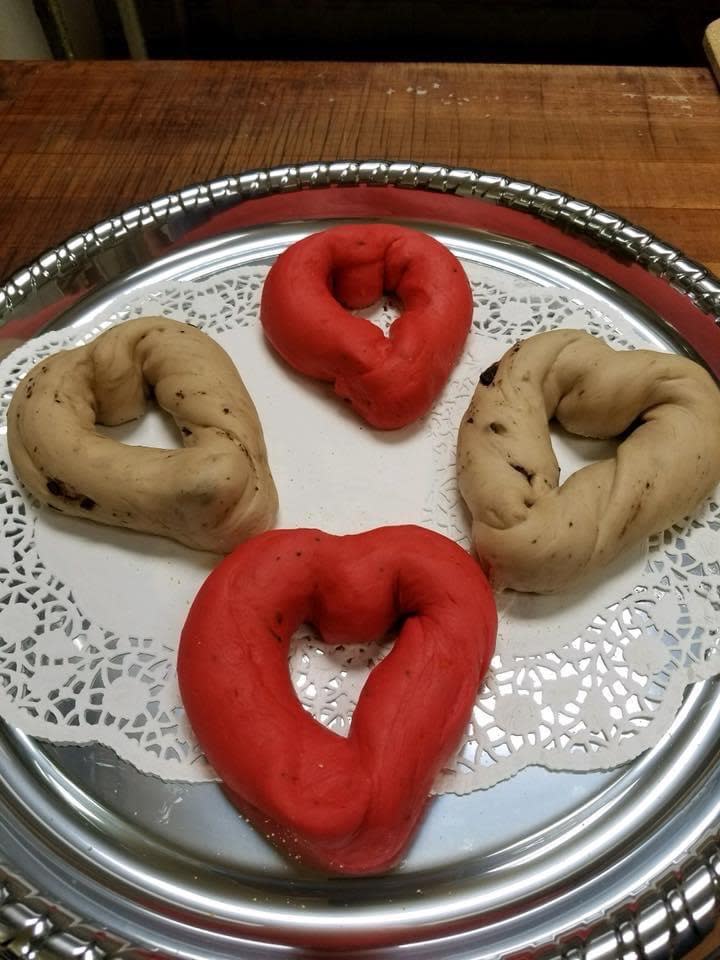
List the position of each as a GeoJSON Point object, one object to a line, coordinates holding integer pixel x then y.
{"type": "Point", "coordinates": [98, 859]}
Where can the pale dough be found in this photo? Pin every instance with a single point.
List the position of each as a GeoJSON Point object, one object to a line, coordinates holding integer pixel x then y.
{"type": "Point", "coordinates": [533, 535]}
{"type": "Point", "coordinates": [210, 494]}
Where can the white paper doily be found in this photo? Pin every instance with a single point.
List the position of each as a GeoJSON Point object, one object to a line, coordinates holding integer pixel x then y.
{"type": "Point", "coordinates": [90, 616]}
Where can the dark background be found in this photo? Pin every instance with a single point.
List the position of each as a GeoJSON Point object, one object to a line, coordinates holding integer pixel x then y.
{"type": "Point", "coordinates": [643, 32]}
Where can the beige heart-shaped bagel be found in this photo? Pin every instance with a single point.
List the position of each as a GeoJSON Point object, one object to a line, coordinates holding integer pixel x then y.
{"type": "Point", "coordinates": [210, 494]}
{"type": "Point", "coordinates": [535, 536]}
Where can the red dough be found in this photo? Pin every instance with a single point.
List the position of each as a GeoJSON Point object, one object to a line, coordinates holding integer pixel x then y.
{"type": "Point", "coordinates": [346, 805]}
{"type": "Point", "coordinates": [390, 381]}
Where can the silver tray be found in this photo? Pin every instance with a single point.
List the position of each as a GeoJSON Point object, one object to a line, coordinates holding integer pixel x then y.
{"type": "Point", "coordinates": [623, 864]}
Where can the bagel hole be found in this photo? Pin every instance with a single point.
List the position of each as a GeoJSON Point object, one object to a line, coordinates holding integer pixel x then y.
{"type": "Point", "coordinates": [343, 668]}
{"type": "Point", "coordinates": [574, 452]}
{"type": "Point", "coordinates": [382, 313]}
{"type": "Point", "coordinates": [155, 428]}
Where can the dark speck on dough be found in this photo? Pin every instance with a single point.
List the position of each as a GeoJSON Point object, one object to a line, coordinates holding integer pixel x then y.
{"type": "Point", "coordinates": [186, 431]}
{"type": "Point", "coordinates": [487, 376]}
{"type": "Point", "coordinates": [570, 523]}
{"type": "Point", "coordinates": [180, 395]}
{"type": "Point", "coordinates": [59, 489]}
{"type": "Point", "coordinates": [470, 420]}
{"type": "Point", "coordinates": [497, 428]}
{"type": "Point", "coordinates": [57, 397]}
{"type": "Point", "coordinates": [87, 503]}
{"type": "Point", "coordinates": [226, 409]}
{"type": "Point", "coordinates": [528, 474]}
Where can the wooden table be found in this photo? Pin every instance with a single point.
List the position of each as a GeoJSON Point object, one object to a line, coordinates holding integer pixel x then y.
{"type": "Point", "coordinates": [82, 140]}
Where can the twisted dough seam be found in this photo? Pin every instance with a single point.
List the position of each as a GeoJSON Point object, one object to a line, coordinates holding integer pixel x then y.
{"type": "Point", "coordinates": [533, 534]}
{"type": "Point", "coordinates": [210, 494]}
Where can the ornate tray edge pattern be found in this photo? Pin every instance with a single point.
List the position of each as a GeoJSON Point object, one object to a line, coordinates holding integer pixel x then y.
{"type": "Point", "coordinates": [679, 910]}
{"type": "Point", "coordinates": [577, 216]}
{"type": "Point", "coordinates": [674, 916]}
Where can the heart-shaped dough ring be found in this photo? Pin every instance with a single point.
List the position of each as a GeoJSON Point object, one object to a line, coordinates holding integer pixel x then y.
{"type": "Point", "coordinates": [308, 293]}
{"type": "Point", "coordinates": [533, 535]}
{"type": "Point", "coordinates": [346, 804]}
{"type": "Point", "coordinates": [210, 494]}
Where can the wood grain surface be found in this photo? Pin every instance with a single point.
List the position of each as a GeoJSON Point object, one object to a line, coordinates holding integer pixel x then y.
{"type": "Point", "coordinates": [82, 140]}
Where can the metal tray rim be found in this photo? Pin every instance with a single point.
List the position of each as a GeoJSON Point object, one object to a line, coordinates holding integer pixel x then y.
{"type": "Point", "coordinates": [574, 215]}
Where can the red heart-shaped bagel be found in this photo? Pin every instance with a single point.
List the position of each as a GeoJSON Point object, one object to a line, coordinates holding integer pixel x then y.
{"type": "Point", "coordinates": [345, 804]}
{"type": "Point", "coordinates": [308, 293]}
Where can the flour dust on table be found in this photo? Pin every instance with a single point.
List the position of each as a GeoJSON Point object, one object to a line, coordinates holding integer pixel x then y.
{"type": "Point", "coordinates": [90, 616]}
